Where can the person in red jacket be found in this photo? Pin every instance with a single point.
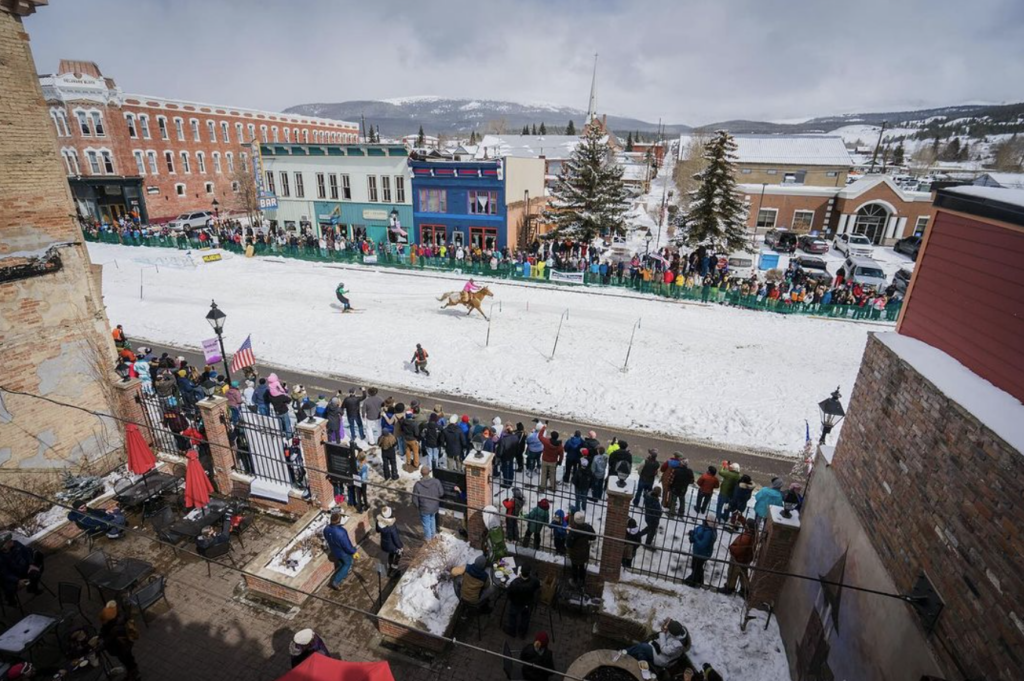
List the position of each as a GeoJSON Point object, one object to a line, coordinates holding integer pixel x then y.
{"type": "Point", "coordinates": [706, 485]}
{"type": "Point", "coordinates": [551, 458]}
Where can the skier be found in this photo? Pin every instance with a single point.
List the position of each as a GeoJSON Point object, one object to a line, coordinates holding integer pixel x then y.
{"type": "Point", "coordinates": [419, 359]}
{"type": "Point", "coordinates": [340, 292]}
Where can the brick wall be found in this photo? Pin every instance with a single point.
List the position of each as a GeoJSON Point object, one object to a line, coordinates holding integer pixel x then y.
{"type": "Point", "coordinates": [936, 491]}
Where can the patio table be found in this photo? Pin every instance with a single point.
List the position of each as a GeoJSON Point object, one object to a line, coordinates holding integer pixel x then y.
{"type": "Point", "coordinates": [193, 527]}
{"type": "Point", "coordinates": [145, 488]}
{"type": "Point", "coordinates": [122, 576]}
{"type": "Point", "coordinates": [20, 638]}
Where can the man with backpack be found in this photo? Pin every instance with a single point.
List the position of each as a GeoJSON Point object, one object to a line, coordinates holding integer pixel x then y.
{"type": "Point", "coordinates": [419, 359]}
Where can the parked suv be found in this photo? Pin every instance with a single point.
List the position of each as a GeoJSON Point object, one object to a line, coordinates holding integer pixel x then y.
{"type": "Point", "coordinates": [781, 240]}
{"type": "Point", "coordinates": [814, 269]}
{"type": "Point", "coordinates": [864, 271]}
{"type": "Point", "coordinates": [908, 246]}
{"type": "Point", "coordinates": [190, 220]}
{"type": "Point", "coordinates": [853, 244]}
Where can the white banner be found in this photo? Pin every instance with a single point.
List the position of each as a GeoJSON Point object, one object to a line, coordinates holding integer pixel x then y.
{"type": "Point", "coordinates": [370, 259]}
{"type": "Point", "coordinates": [567, 277]}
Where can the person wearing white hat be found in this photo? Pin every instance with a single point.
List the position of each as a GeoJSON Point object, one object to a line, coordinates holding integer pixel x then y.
{"type": "Point", "coordinates": [390, 538]}
{"type": "Point", "coordinates": [305, 643]}
{"type": "Point", "coordinates": [729, 474]}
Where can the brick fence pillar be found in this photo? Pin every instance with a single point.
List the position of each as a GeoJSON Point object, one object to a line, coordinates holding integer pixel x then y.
{"type": "Point", "coordinates": [478, 494]}
{"type": "Point", "coordinates": [615, 526]}
{"type": "Point", "coordinates": [129, 406]}
{"type": "Point", "coordinates": [214, 411]}
{"type": "Point", "coordinates": [779, 539]}
{"type": "Point", "coordinates": [314, 434]}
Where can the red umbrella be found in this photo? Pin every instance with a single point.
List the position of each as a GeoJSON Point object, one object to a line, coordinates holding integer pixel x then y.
{"type": "Point", "coordinates": [197, 485]}
{"type": "Point", "coordinates": [140, 457]}
{"type": "Point", "coordinates": [319, 667]}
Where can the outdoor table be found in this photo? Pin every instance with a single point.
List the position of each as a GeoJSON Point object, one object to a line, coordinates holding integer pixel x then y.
{"type": "Point", "coordinates": [123, 576]}
{"type": "Point", "coordinates": [145, 488]}
{"type": "Point", "coordinates": [213, 513]}
{"type": "Point", "coordinates": [498, 577]}
{"type": "Point", "coordinates": [20, 638]}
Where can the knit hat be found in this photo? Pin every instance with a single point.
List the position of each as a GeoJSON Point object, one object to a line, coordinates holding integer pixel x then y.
{"type": "Point", "coordinates": [584, 461]}
{"type": "Point", "coordinates": [623, 444]}
{"type": "Point", "coordinates": [579, 517]}
{"type": "Point", "coordinates": [480, 562]}
{"type": "Point", "coordinates": [584, 452]}
{"type": "Point", "coordinates": [653, 452]}
{"type": "Point", "coordinates": [675, 628]}
{"type": "Point", "coordinates": [544, 503]}
{"type": "Point", "coordinates": [712, 470]}
{"type": "Point", "coordinates": [776, 483]}
{"type": "Point", "coordinates": [303, 637]}
{"type": "Point", "coordinates": [542, 639]}
{"type": "Point", "coordinates": [734, 467]}
{"type": "Point", "coordinates": [465, 418]}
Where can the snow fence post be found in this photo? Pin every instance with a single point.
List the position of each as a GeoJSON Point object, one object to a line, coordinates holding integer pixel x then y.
{"type": "Point", "coordinates": [614, 526]}
{"type": "Point", "coordinates": [777, 543]}
{"type": "Point", "coordinates": [478, 495]}
{"type": "Point", "coordinates": [215, 418]}
{"type": "Point", "coordinates": [313, 435]}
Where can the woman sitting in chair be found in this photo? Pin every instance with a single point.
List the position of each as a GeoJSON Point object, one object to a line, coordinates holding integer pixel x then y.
{"type": "Point", "coordinates": [210, 537]}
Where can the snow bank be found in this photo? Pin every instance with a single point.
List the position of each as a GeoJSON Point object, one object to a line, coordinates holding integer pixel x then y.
{"type": "Point", "coordinates": [735, 377]}
{"type": "Point", "coordinates": [422, 596]}
{"type": "Point", "coordinates": [713, 621]}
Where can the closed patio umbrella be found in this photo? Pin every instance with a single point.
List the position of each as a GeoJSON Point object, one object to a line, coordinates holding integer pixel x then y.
{"type": "Point", "coordinates": [197, 485]}
{"type": "Point", "coordinates": [140, 457]}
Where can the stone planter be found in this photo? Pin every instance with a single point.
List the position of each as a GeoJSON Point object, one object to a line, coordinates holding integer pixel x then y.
{"type": "Point", "coordinates": [619, 628]}
{"type": "Point", "coordinates": [266, 580]}
{"type": "Point", "coordinates": [589, 662]}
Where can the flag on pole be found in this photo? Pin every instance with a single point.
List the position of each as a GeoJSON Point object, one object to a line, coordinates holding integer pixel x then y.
{"type": "Point", "coordinates": [244, 357]}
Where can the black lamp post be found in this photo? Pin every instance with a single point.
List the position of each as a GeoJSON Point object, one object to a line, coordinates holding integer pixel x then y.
{"type": "Point", "coordinates": [216, 319]}
{"type": "Point", "coordinates": [216, 209]}
{"type": "Point", "coordinates": [832, 413]}
{"type": "Point", "coordinates": [647, 238]}
{"type": "Point", "coordinates": [478, 446]}
{"type": "Point", "coordinates": [789, 503]}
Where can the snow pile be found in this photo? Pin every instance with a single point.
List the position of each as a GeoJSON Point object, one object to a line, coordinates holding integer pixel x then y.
{"type": "Point", "coordinates": [713, 622]}
{"type": "Point", "coordinates": [1003, 194]}
{"type": "Point", "coordinates": [294, 557]}
{"type": "Point", "coordinates": [423, 596]}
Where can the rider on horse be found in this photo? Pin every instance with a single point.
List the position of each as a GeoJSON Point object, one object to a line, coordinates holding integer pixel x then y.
{"type": "Point", "coordinates": [470, 287]}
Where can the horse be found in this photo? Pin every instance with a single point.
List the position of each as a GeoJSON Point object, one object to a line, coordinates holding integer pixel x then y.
{"type": "Point", "coordinates": [470, 299]}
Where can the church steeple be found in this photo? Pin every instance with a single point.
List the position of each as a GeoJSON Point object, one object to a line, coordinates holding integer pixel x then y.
{"type": "Point", "coordinates": [592, 107]}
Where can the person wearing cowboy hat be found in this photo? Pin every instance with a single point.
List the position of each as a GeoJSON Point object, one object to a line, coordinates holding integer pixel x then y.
{"type": "Point", "coordinates": [390, 538]}
{"type": "Point", "coordinates": [305, 643]}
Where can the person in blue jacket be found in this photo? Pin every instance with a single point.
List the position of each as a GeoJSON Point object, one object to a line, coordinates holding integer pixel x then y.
{"type": "Point", "coordinates": [559, 531]}
{"type": "Point", "coordinates": [341, 548]}
{"type": "Point", "coordinates": [703, 538]}
{"type": "Point", "coordinates": [98, 521]}
{"type": "Point", "coordinates": [768, 496]}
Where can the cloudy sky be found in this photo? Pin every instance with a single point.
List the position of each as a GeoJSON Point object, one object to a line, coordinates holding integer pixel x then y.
{"type": "Point", "coordinates": [685, 61]}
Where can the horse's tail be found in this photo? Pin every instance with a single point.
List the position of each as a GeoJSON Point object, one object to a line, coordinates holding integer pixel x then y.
{"type": "Point", "coordinates": [444, 295]}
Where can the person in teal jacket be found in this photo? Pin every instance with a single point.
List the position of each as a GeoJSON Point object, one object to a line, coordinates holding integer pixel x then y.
{"type": "Point", "coordinates": [768, 496]}
{"type": "Point", "coordinates": [342, 293]}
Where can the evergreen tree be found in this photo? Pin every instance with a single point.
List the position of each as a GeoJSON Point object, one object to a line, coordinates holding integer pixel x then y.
{"type": "Point", "coordinates": [589, 199]}
{"type": "Point", "coordinates": [420, 139]}
{"type": "Point", "coordinates": [376, 135]}
{"type": "Point", "coordinates": [526, 130]}
{"type": "Point", "coordinates": [716, 217]}
{"type": "Point", "coordinates": [472, 137]}
{"type": "Point", "coordinates": [898, 154]}
{"type": "Point", "coordinates": [571, 128]}
{"type": "Point", "coordinates": [952, 150]}
{"type": "Point", "coordinates": [629, 141]}
{"type": "Point", "coordinates": [543, 129]}
{"type": "Point", "coordinates": [534, 130]}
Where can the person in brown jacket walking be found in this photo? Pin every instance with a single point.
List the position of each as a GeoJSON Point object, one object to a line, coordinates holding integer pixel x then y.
{"type": "Point", "coordinates": [741, 552]}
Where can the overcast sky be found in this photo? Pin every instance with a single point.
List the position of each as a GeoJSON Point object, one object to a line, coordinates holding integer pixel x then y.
{"type": "Point", "coordinates": [687, 62]}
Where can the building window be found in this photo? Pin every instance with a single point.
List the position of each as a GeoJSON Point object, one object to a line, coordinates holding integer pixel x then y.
{"type": "Point", "coordinates": [252, 132]}
{"type": "Point", "coordinates": [295, 134]}
{"type": "Point", "coordinates": [483, 237]}
{"type": "Point", "coordinates": [772, 172]}
{"type": "Point", "coordinates": [216, 162]}
{"type": "Point", "coordinates": [97, 123]}
{"type": "Point", "coordinates": [399, 189]}
{"type": "Point", "coordinates": [73, 155]}
{"type": "Point", "coordinates": [321, 185]}
{"type": "Point", "coordinates": [60, 122]}
{"type": "Point", "coordinates": [433, 201]}
{"type": "Point", "coordinates": [385, 187]}
{"type": "Point", "coordinates": [154, 167]}
{"type": "Point", "coordinates": [270, 182]}
{"type": "Point", "coordinates": [225, 137]}
{"type": "Point", "coordinates": [803, 220]}
{"type": "Point", "coordinates": [208, 187]}
{"type": "Point", "coordinates": [334, 186]}
{"type": "Point", "coordinates": [83, 124]}
{"type": "Point", "coordinates": [179, 189]}
{"type": "Point", "coordinates": [230, 159]}
{"type": "Point", "coordinates": [235, 186]}
{"type": "Point", "coordinates": [132, 132]}
{"type": "Point", "coordinates": [285, 188]}
{"type": "Point", "coordinates": [245, 161]}
{"type": "Point", "coordinates": [211, 130]}
{"type": "Point", "coordinates": [346, 188]}
{"type": "Point", "coordinates": [832, 173]}
{"type": "Point", "coordinates": [144, 125]}
{"type": "Point", "coordinates": [140, 162]}
{"type": "Point", "coordinates": [161, 124]}
{"type": "Point", "coordinates": [238, 133]}
{"type": "Point", "coordinates": [169, 160]}
{"type": "Point", "coordinates": [287, 134]}
{"type": "Point", "coordinates": [263, 133]}
{"type": "Point", "coordinates": [797, 177]}
{"type": "Point", "coordinates": [920, 225]}
{"type": "Point", "coordinates": [108, 162]}
{"type": "Point", "coordinates": [273, 132]}
{"type": "Point", "coordinates": [371, 184]}
{"type": "Point", "coordinates": [300, 186]}
{"type": "Point", "coordinates": [194, 124]}
{"type": "Point", "coordinates": [433, 235]}
{"type": "Point", "coordinates": [745, 171]}
{"type": "Point", "coordinates": [185, 167]}
{"type": "Point", "coordinates": [70, 162]}
{"type": "Point", "coordinates": [201, 162]}
{"type": "Point", "coordinates": [483, 203]}
{"type": "Point", "coordinates": [94, 162]}
{"type": "Point", "coordinates": [305, 136]}
{"type": "Point", "coordinates": [179, 129]}
{"type": "Point", "coordinates": [766, 218]}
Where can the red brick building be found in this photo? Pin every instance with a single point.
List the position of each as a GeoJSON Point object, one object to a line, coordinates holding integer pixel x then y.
{"type": "Point", "coordinates": [161, 157]}
{"type": "Point", "coordinates": [920, 498]}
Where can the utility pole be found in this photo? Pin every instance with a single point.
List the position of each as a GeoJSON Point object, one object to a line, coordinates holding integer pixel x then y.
{"type": "Point", "coordinates": [664, 185]}
{"type": "Point", "coordinates": [874, 156]}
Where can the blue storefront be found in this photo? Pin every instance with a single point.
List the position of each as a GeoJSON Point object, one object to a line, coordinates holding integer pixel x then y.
{"type": "Point", "coordinates": [459, 203]}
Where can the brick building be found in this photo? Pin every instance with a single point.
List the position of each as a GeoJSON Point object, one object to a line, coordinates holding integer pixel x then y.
{"type": "Point", "coordinates": [874, 206]}
{"type": "Point", "coordinates": [921, 495]}
{"type": "Point", "coordinates": [54, 337]}
{"type": "Point", "coordinates": [161, 157]}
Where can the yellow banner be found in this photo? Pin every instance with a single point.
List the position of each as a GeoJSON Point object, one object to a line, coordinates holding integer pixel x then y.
{"type": "Point", "coordinates": [213, 257]}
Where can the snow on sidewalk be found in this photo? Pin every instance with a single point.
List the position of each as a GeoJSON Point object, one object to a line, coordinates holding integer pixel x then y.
{"type": "Point", "coordinates": [728, 376]}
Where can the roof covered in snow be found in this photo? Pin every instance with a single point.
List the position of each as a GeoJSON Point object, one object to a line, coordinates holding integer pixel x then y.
{"type": "Point", "coordinates": [1013, 197]}
{"type": "Point", "coordinates": [800, 150]}
{"type": "Point", "coordinates": [634, 172]}
{"type": "Point", "coordinates": [1008, 180]}
{"type": "Point", "coordinates": [850, 191]}
{"type": "Point", "coordinates": [527, 146]}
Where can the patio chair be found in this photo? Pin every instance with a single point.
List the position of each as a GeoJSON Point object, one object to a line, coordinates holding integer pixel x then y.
{"type": "Point", "coordinates": [148, 595]}
{"type": "Point", "coordinates": [248, 522]}
{"type": "Point", "coordinates": [69, 593]}
{"type": "Point", "coordinates": [90, 566]}
{"type": "Point", "coordinates": [217, 551]}
{"type": "Point", "coordinates": [161, 523]}
{"type": "Point", "coordinates": [508, 666]}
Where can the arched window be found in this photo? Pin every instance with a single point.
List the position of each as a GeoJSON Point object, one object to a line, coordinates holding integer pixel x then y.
{"type": "Point", "coordinates": [870, 222]}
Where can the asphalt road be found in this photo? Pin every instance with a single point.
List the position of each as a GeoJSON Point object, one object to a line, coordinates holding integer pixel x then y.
{"type": "Point", "coordinates": [761, 467]}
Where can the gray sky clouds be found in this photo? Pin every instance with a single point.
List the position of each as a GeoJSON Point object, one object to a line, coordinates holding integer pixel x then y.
{"type": "Point", "coordinates": [684, 61]}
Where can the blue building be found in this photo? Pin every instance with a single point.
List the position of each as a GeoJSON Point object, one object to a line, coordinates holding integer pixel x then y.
{"type": "Point", "coordinates": [459, 202]}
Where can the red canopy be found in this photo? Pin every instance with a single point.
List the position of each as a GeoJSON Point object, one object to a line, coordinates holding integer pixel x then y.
{"type": "Point", "coordinates": [319, 667]}
{"type": "Point", "coordinates": [140, 457]}
{"type": "Point", "coordinates": [197, 485]}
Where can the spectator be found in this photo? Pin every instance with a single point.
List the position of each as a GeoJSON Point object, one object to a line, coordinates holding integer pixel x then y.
{"type": "Point", "coordinates": [536, 520]}
{"type": "Point", "coordinates": [741, 495]}
{"type": "Point", "coordinates": [19, 566]}
{"type": "Point", "coordinates": [210, 537]}
{"type": "Point", "coordinates": [652, 517]}
{"type": "Point", "coordinates": [341, 549]}
{"type": "Point", "coordinates": [427, 494]}
{"type": "Point", "coordinates": [513, 507]}
{"type": "Point", "coordinates": [572, 455]}
{"type": "Point", "coordinates": [305, 643]}
{"type": "Point", "coordinates": [580, 535]}
{"type": "Point", "coordinates": [582, 481]}
{"type": "Point", "coordinates": [118, 634]}
{"type": "Point", "coordinates": [632, 543]}
{"type": "Point", "coordinates": [456, 443]}
{"type": "Point", "coordinates": [682, 479]}
{"type": "Point", "coordinates": [741, 552]}
{"type": "Point", "coordinates": [551, 458]}
{"type": "Point", "coordinates": [534, 450]}
{"type": "Point", "coordinates": [707, 483]}
{"type": "Point", "coordinates": [648, 472]}
{"type": "Point", "coordinates": [703, 538]}
{"type": "Point", "coordinates": [599, 468]}
{"type": "Point", "coordinates": [432, 441]}
{"type": "Point", "coordinates": [730, 475]}
{"type": "Point", "coordinates": [540, 655]}
{"type": "Point", "coordinates": [668, 469]}
{"type": "Point", "coordinates": [372, 405]}
{"type": "Point", "coordinates": [335, 431]}
{"type": "Point", "coordinates": [95, 521]}
{"type": "Point", "coordinates": [351, 405]}
{"type": "Point", "coordinates": [662, 650]}
{"type": "Point", "coordinates": [521, 593]}
{"type": "Point", "coordinates": [390, 538]}
{"type": "Point", "coordinates": [389, 463]}
{"type": "Point", "coordinates": [473, 583]}
{"type": "Point", "coordinates": [359, 480]}
{"type": "Point", "coordinates": [559, 531]}
{"type": "Point", "coordinates": [768, 496]}
{"type": "Point", "coordinates": [509, 444]}
{"type": "Point", "coordinates": [409, 433]}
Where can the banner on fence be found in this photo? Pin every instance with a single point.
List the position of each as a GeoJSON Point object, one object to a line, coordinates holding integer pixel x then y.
{"type": "Point", "coordinates": [212, 257]}
{"type": "Point", "coordinates": [370, 259]}
{"type": "Point", "coordinates": [567, 277]}
{"type": "Point", "coordinates": [211, 351]}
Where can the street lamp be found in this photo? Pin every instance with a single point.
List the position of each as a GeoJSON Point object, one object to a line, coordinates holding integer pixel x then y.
{"type": "Point", "coordinates": [216, 319]}
{"type": "Point", "coordinates": [622, 472]}
{"type": "Point", "coordinates": [478, 446]}
{"type": "Point", "coordinates": [648, 237]}
{"type": "Point", "coordinates": [216, 209]}
{"type": "Point", "coordinates": [789, 503]}
{"type": "Point", "coordinates": [832, 413]}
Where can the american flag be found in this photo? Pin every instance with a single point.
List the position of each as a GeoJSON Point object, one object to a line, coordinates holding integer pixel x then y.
{"type": "Point", "coordinates": [244, 357]}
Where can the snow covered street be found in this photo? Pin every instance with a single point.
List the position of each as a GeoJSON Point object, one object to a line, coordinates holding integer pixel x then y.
{"type": "Point", "coordinates": [742, 378]}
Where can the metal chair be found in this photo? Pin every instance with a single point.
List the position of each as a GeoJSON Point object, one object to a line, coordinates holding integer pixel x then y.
{"type": "Point", "coordinates": [69, 593]}
{"type": "Point", "coordinates": [148, 595]}
{"type": "Point", "coordinates": [507, 665]}
{"type": "Point", "coordinates": [161, 523]}
{"type": "Point", "coordinates": [217, 551]}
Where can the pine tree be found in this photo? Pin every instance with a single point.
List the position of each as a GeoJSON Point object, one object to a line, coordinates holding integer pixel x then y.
{"type": "Point", "coordinates": [589, 198]}
{"type": "Point", "coordinates": [526, 130]}
{"type": "Point", "coordinates": [898, 154]}
{"type": "Point", "coordinates": [420, 139]}
{"type": "Point", "coordinates": [629, 141]}
{"type": "Point", "coordinates": [543, 128]}
{"type": "Point", "coordinates": [376, 135]}
{"type": "Point", "coordinates": [472, 137]}
{"type": "Point", "coordinates": [571, 128]}
{"type": "Point", "coordinates": [716, 217]}
{"type": "Point", "coordinates": [534, 130]}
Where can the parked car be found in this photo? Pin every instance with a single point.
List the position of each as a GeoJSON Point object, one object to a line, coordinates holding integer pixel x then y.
{"type": "Point", "coordinates": [812, 244]}
{"type": "Point", "coordinates": [909, 245]}
{"type": "Point", "coordinates": [863, 271]}
{"type": "Point", "coordinates": [781, 240]}
{"type": "Point", "coordinates": [190, 220]}
{"type": "Point", "coordinates": [741, 264]}
{"type": "Point", "coordinates": [901, 280]}
{"type": "Point", "coordinates": [814, 269]}
{"type": "Point", "coordinates": [853, 244]}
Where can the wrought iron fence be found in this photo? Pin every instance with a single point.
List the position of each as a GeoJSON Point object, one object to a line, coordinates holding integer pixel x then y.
{"type": "Point", "coordinates": [176, 424]}
{"type": "Point", "coordinates": [265, 448]}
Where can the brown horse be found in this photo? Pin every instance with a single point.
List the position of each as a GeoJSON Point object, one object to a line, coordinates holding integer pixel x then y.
{"type": "Point", "coordinates": [470, 300]}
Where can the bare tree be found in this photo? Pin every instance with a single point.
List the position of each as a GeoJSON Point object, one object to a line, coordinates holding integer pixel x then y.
{"type": "Point", "coordinates": [246, 199]}
{"type": "Point", "coordinates": [1009, 155]}
{"type": "Point", "coordinates": [497, 127]}
{"type": "Point", "coordinates": [923, 159]}
{"type": "Point", "coordinates": [691, 162]}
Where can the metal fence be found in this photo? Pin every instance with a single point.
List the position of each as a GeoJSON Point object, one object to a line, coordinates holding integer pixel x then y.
{"type": "Point", "coordinates": [265, 448]}
{"type": "Point", "coordinates": [171, 421]}
{"type": "Point", "coordinates": [526, 272]}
